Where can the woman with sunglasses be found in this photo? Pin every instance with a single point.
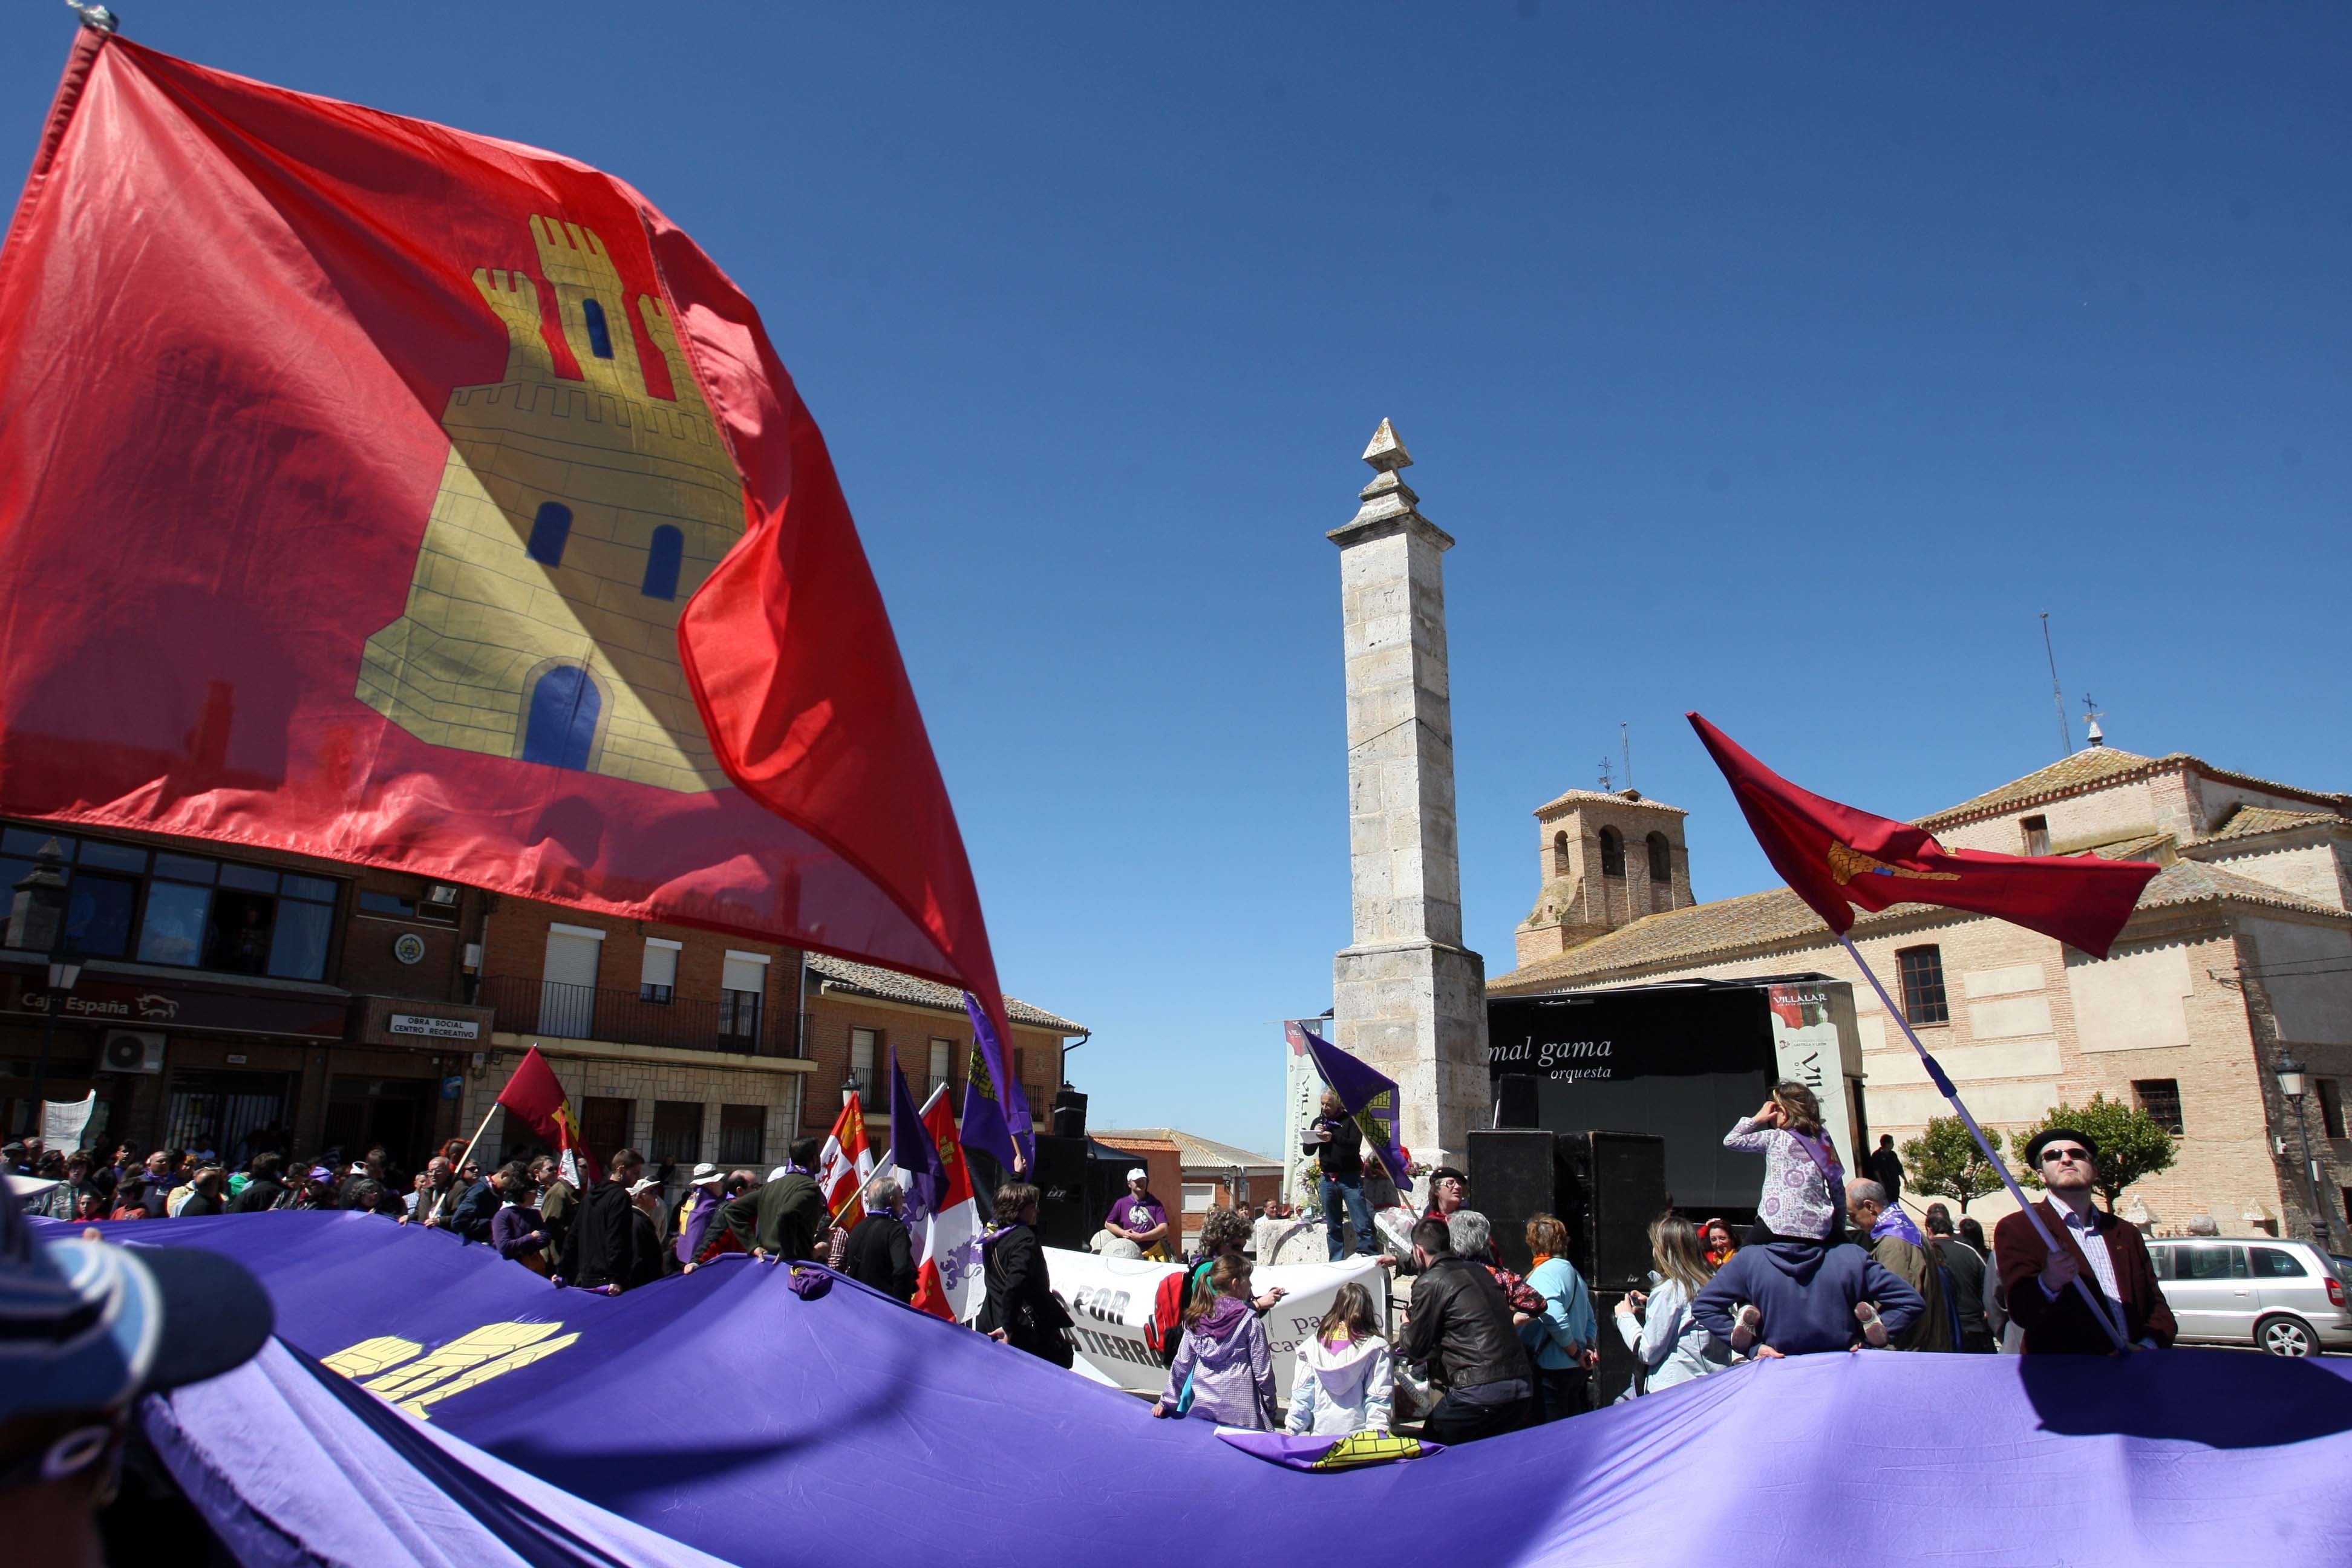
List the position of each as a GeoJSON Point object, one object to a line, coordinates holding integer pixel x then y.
{"type": "Point", "coordinates": [2094, 1248]}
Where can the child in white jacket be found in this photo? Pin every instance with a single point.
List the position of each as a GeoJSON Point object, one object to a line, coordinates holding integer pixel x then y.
{"type": "Point", "coordinates": [1346, 1377]}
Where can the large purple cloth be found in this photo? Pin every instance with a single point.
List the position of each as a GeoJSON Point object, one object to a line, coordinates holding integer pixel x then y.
{"type": "Point", "coordinates": [727, 1413]}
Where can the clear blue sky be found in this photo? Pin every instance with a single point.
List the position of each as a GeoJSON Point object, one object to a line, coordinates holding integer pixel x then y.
{"type": "Point", "coordinates": [1780, 362]}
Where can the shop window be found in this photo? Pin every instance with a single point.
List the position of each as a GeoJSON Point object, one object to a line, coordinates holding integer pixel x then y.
{"type": "Point", "coordinates": [562, 729]}
{"type": "Point", "coordinates": [2160, 1097]}
{"type": "Point", "coordinates": [1924, 999]}
{"type": "Point", "coordinates": [663, 558]}
{"type": "Point", "coordinates": [677, 1133]}
{"type": "Point", "coordinates": [427, 911]}
{"type": "Point", "coordinates": [1612, 852]}
{"type": "Point", "coordinates": [600, 335]}
{"type": "Point", "coordinates": [742, 1135]}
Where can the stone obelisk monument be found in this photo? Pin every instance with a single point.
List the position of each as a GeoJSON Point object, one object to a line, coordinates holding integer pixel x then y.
{"type": "Point", "coordinates": [1408, 998]}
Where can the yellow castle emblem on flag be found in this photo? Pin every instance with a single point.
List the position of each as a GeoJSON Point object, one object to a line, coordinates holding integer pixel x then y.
{"type": "Point", "coordinates": [574, 520]}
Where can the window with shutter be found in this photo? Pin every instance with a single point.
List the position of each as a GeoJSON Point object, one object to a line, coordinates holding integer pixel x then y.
{"type": "Point", "coordinates": [657, 981]}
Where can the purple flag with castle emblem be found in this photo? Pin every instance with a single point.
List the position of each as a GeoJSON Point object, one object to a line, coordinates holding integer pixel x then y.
{"type": "Point", "coordinates": [1371, 1097]}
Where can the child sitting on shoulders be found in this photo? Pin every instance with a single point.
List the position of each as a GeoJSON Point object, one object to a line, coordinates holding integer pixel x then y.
{"type": "Point", "coordinates": [1804, 1185]}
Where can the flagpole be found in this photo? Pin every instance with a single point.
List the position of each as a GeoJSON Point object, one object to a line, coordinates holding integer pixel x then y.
{"type": "Point", "coordinates": [450, 1196]}
{"type": "Point", "coordinates": [1935, 1072]}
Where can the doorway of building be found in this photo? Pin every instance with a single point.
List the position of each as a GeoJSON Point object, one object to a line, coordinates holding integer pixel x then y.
{"type": "Point", "coordinates": [397, 1112]}
{"type": "Point", "coordinates": [232, 1115]}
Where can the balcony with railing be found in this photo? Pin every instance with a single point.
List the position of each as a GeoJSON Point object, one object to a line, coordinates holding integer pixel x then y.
{"type": "Point", "coordinates": [738, 1024]}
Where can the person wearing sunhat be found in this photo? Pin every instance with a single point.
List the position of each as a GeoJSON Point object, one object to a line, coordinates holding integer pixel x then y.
{"type": "Point", "coordinates": [2095, 1248]}
{"type": "Point", "coordinates": [86, 1327]}
{"type": "Point", "coordinates": [703, 1195]}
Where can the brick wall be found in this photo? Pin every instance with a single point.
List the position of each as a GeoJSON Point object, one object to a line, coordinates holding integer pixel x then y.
{"type": "Point", "coordinates": [516, 944]}
{"type": "Point", "coordinates": [831, 1014]}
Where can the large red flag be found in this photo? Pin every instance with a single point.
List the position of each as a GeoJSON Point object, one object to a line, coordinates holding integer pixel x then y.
{"type": "Point", "coordinates": [383, 492]}
{"type": "Point", "coordinates": [535, 1094]}
{"type": "Point", "coordinates": [1835, 857]}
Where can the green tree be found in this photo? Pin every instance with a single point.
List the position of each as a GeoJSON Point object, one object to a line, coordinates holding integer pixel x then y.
{"type": "Point", "coordinates": [2132, 1143]}
{"type": "Point", "coordinates": [1944, 1160]}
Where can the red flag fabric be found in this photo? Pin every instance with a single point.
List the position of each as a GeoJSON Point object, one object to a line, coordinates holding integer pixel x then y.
{"type": "Point", "coordinates": [949, 1281]}
{"type": "Point", "coordinates": [535, 1094]}
{"type": "Point", "coordinates": [379, 491]}
{"type": "Point", "coordinates": [1835, 859]}
{"type": "Point", "coordinates": [844, 1167]}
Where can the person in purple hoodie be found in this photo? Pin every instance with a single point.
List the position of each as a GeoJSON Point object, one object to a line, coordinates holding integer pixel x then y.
{"type": "Point", "coordinates": [1225, 1369]}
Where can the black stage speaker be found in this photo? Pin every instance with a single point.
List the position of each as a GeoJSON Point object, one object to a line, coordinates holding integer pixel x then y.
{"type": "Point", "coordinates": [1513, 1175]}
{"type": "Point", "coordinates": [1514, 1102]}
{"type": "Point", "coordinates": [1069, 1115]}
{"type": "Point", "coordinates": [1065, 1216]}
{"type": "Point", "coordinates": [1614, 1185]}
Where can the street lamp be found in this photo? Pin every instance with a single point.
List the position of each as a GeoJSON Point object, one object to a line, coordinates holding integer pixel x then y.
{"type": "Point", "coordinates": [852, 1087]}
{"type": "Point", "coordinates": [36, 921]}
{"type": "Point", "coordinates": [2291, 1084]}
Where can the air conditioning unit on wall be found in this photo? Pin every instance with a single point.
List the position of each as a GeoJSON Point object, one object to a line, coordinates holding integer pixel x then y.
{"type": "Point", "coordinates": [132, 1050]}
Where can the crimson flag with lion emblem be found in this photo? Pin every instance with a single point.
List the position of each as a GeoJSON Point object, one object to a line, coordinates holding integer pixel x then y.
{"type": "Point", "coordinates": [1835, 857]}
{"type": "Point", "coordinates": [379, 491]}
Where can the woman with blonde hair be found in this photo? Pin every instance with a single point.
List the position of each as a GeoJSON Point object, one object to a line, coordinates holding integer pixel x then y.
{"type": "Point", "coordinates": [1804, 1185]}
{"type": "Point", "coordinates": [1669, 1346]}
{"type": "Point", "coordinates": [1346, 1380]}
{"type": "Point", "coordinates": [1562, 1336]}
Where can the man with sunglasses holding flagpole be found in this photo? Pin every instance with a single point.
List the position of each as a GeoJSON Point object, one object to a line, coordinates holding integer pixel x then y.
{"type": "Point", "coordinates": [2094, 1247]}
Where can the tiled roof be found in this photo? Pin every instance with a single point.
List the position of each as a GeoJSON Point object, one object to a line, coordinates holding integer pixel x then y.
{"type": "Point", "coordinates": [2249, 820]}
{"type": "Point", "coordinates": [2097, 765]}
{"type": "Point", "coordinates": [2092, 766]}
{"type": "Point", "coordinates": [871, 980]}
{"type": "Point", "coordinates": [1195, 1150]}
{"type": "Point", "coordinates": [1710, 932]}
{"type": "Point", "coordinates": [1604, 797]}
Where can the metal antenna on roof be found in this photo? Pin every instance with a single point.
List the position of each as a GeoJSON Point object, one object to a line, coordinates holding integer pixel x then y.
{"type": "Point", "coordinates": [2092, 713]}
{"type": "Point", "coordinates": [1625, 737]}
{"type": "Point", "coordinates": [2057, 693]}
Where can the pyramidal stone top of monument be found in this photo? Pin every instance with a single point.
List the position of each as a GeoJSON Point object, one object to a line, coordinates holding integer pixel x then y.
{"type": "Point", "coordinates": [1388, 498]}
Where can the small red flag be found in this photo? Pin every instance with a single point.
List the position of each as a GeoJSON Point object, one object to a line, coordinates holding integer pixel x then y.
{"type": "Point", "coordinates": [537, 1096]}
{"type": "Point", "coordinates": [1835, 859]}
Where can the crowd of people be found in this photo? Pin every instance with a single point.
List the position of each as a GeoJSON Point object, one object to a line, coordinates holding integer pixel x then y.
{"type": "Point", "coordinates": [1830, 1266]}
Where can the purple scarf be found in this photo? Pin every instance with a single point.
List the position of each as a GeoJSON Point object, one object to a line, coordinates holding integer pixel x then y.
{"type": "Point", "coordinates": [697, 1222]}
{"type": "Point", "coordinates": [1893, 1221]}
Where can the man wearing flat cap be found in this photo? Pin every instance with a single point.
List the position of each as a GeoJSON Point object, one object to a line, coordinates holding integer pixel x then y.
{"type": "Point", "coordinates": [2098, 1248]}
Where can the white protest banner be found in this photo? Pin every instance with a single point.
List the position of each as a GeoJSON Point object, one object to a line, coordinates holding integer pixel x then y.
{"type": "Point", "coordinates": [1110, 1300]}
{"type": "Point", "coordinates": [62, 1121]}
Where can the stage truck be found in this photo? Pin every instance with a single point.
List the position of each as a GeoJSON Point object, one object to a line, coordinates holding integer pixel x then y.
{"type": "Point", "coordinates": [1680, 1062]}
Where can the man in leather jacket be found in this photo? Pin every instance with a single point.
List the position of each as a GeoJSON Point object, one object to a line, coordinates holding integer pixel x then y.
{"type": "Point", "coordinates": [1461, 1319]}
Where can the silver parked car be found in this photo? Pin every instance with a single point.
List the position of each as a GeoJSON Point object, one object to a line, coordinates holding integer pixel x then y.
{"type": "Point", "coordinates": [2283, 1297]}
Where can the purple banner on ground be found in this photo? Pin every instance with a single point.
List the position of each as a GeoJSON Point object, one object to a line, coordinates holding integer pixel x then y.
{"type": "Point", "coordinates": [723, 1410]}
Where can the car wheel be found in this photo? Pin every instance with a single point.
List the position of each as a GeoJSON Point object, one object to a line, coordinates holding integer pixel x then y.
{"type": "Point", "coordinates": [2285, 1336]}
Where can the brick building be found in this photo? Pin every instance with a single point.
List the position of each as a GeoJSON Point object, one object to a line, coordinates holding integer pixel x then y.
{"type": "Point", "coordinates": [1210, 1174]}
{"type": "Point", "coordinates": [226, 992]}
{"type": "Point", "coordinates": [2240, 946]}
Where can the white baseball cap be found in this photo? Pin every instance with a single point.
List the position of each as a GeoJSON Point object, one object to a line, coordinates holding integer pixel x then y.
{"type": "Point", "coordinates": [1139, 1174]}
